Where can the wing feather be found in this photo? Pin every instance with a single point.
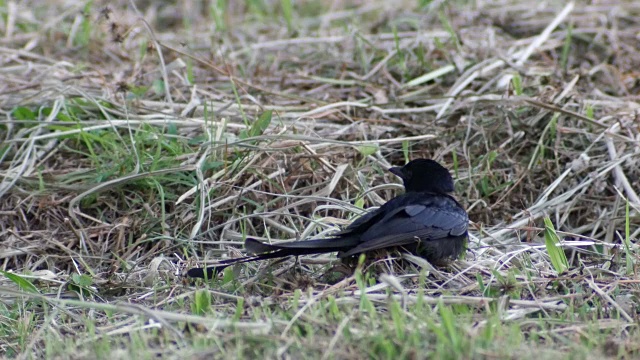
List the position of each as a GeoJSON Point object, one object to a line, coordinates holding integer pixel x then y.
{"type": "Point", "coordinates": [419, 219]}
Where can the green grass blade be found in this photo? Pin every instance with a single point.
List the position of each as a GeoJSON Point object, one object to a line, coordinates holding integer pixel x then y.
{"type": "Point", "coordinates": [22, 283]}
{"type": "Point", "coordinates": [556, 253]}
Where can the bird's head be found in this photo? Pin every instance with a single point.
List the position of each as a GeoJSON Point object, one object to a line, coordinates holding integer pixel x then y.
{"type": "Point", "coordinates": [424, 175]}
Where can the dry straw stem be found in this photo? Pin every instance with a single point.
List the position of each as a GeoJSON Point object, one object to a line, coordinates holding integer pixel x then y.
{"type": "Point", "coordinates": [159, 315]}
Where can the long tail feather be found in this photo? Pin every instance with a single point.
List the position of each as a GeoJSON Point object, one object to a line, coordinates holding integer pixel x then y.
{"type": "Point", "coordinates": [264, 251]}
{"type": "Point", "coordinates": [303, 247]}
{"type": "Point", "coordinates": [212, 270]}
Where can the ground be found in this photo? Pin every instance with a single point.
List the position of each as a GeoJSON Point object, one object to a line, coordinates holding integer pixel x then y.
{"type": "Point", "coordinates": [140, 141]}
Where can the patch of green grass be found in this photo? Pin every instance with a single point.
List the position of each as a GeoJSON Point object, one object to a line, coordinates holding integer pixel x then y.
{"type": "Point", "coordinates": [556, 253]}
{"type": "Point", "coordinates": [446, 24]}
{"type": "Point", "coordinates": [218, 9]}
{"type": "Point", "coordinates": [516, 81]}
{"type": "Point", "coordinates": [287, 13]}
{"type": "Point", "coordinates": [400, 54]}
{"type": "Point", "coordinates": [566, 47]}
{"type": "Point", "coordinates": [83, 37]}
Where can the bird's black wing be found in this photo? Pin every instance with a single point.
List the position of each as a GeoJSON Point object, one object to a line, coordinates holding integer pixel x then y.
{"type": "Point", "coordinates": [413, 218]}
{"type": "Point", "coordinates": [366, 221]}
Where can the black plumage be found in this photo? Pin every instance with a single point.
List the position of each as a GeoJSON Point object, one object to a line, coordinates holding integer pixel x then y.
{"type": "Point", "coordinates": [425, 221]}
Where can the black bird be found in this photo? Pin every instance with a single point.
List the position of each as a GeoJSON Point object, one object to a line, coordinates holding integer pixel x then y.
{"type": "Point", "coordinates": [425, 221]}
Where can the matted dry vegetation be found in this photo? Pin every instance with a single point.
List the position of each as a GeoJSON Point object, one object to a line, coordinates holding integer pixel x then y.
{"type": "Point", "coordinates": [138, 141]}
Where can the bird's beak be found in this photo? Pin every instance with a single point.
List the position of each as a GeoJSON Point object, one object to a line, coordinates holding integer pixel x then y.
{"type": "Point", "coordinates": [397, 171]}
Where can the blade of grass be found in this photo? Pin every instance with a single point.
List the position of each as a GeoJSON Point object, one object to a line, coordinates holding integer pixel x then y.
{"type": "Point", "coordinates": [556, 253]}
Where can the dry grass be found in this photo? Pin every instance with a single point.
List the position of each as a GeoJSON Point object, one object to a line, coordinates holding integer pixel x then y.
{"type": "Point", "coordinates": [138, 141]}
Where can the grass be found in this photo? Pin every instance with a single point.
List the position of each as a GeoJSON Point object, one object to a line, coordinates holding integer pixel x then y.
{"type": "Point", "coordinates": [139, 142]}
